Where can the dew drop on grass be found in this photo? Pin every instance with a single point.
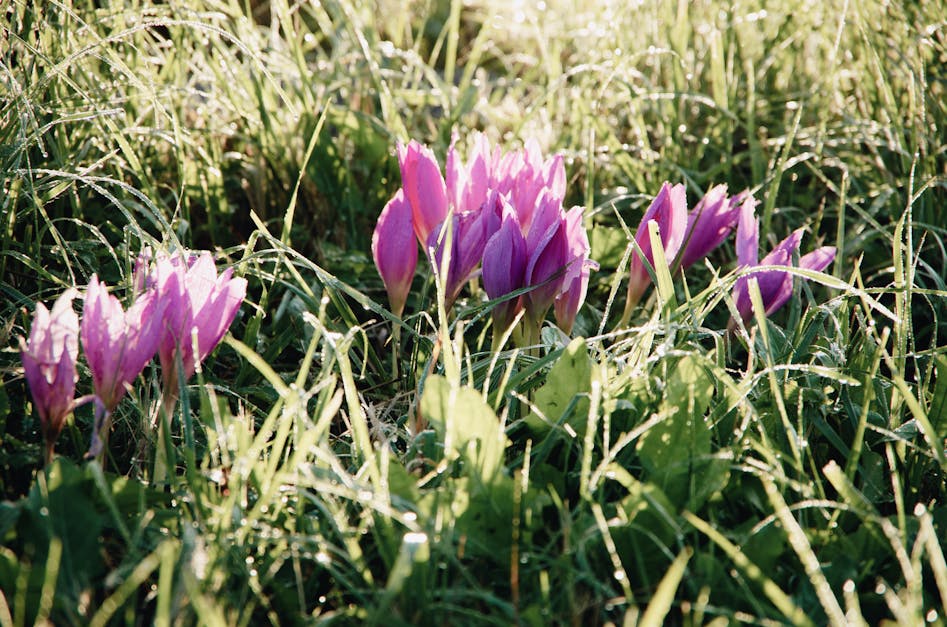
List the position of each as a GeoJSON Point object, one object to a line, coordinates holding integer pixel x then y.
{"type": "Point", "coordinates": [323, 558]}
{"type": "Point", "coordinates": [880, 588]}
{"type": "Point", "coordinates": [322, 599]}
{"type": "Point", "coordinates": [931, 616]}
{"type": "Point", "coordinates": [415, 538]}
{"type": "Point", "coordinates": [919, 510]}
{"type": "Point", "coordinates": [849, 587]}
{"type": "Point", "coordinates": [619, 575]}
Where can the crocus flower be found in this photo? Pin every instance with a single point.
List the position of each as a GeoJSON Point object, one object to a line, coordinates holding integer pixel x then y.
{"type": "Point", "coordinates": [504, 269]}
{"type": "Point", "coordinates": [395, 251]}
{"type": "Point", "coordinates": [527, 179]}
{"type": "Point", "coordinates": [201, 306]}
{"type": "Point", "coordinates": [467, 183]}
{"type": "Point", "coordinates": [710, 222]}
{"type": "Point", "coordinates": [424, 188]}
{"type": "Point", "coordinates": [49, 364]}
{"type": "Point", "coordinates": [547, 244]}
{"type": "Point", "coordinates": [118, 344]}
{"type": "Point", "coordinates": [468, 237]}
{"type": "Point", "coordinates": [669, 210]}
{"type": "Point", "coordinates": [576, 280]}
{"type": "Point", "coordinates": [775, 285]}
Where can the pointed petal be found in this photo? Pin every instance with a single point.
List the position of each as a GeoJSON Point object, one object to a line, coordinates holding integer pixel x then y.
{"type": "Point", "coordinates": [395, 251]}
{"type": "Point", "coordinates": [424, 188]}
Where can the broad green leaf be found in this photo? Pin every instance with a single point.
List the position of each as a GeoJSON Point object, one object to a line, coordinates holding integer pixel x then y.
{"type": "Point", "coordinates": [677, 451]}
{"type": "Point", "coordinates": [569, 377]}
{"type": "Point", "coordinates": [683, 434]}
{"type": "Point", "coordinates": [466, 424]}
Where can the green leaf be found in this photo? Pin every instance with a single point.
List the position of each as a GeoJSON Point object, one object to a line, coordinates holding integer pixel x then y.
{"type": "Point", "coordinates": [677, 451]}
{"type": "Point", "coordinates": [466, 424]}
{"type": "Point", "coordinates": [938, 407]}
{"type": "Point", "coordinates": [683, 434]}
{"type": "Point", "coordinates": [569, 377]}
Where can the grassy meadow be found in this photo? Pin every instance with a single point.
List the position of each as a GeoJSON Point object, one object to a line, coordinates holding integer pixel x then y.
{"type": "Point", "coordinates": [332, 462]}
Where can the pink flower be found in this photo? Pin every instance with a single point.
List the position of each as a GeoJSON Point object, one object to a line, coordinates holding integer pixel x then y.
{"type": "Point", "coordinates": [576, 280]}
{"type": "Point", "coordinates": [49, 364]}
{"type": "Point", "coordinates": [710, 222]}
{"type": "Point", "coordinates": [201, 305]}
{"type": "Point", "coordinates": [775, 286]}
{"type": "Point", "coordinates": [395, 251]}
{"type": "Point", "coordinates": [547, 245]}
{"type": "Point", "coordinates": [669, 210]}
{"type": "Point", "coordinates": [118, 344]}
{"type": "Point", "coordinates": [424, 188]}
{"type": "Point", "coordinates": [467, 240]}
{"type": "Point", "coordinates": [504, 269]}
{"type": "Point", "coordinates": [467, 184]}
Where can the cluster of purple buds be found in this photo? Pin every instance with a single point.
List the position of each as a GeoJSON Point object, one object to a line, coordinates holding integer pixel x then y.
{"type": "Point", "coordinates": [688, 236]}
{"type": "Point", "coordinates": [498, 212]}
{"type": "Point", "coordinates": [181, 306]}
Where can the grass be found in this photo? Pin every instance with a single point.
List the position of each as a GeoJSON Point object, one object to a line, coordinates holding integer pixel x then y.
{"type": "Point", "coordinates": [659, 473]}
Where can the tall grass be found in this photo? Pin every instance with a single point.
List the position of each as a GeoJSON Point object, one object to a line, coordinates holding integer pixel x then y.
{"type": "Point", "coordinates": [792, 472]}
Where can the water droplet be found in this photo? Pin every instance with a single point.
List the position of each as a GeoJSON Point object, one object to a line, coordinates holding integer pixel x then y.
{"type": "Point", "coordinates": [415, 537]}
{"type": "Point", "coordinates": [619, 575]}
{"type": "Point", "coordinates": [323, 558]}
{"type": "Point", "coordinates": [931, 616]}
{"type": "Point", "coordinates": [880, 588]}
{"type": "Point", "coordinates": [849, 586]}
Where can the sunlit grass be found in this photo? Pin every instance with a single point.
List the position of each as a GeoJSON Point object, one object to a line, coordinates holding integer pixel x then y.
{"type": "Point", "coordinates": [666, 472]}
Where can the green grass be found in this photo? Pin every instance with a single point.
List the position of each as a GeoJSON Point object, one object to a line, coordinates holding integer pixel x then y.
{"type": "Point", "coordinates": [663, 473]}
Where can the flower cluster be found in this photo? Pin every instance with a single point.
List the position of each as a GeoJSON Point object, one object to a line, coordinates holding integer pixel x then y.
{"type": "Point", "coordinates": [181, 311]}
{"type": "Point", "coordinates": [688, 236]}
{"type": "Point", "coordinates": [501, 213]}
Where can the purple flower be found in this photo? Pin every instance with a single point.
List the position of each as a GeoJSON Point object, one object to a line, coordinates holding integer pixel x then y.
{"type": "Point", "coordinates": [201, 306]}
{"type": "Point", "coordinates": [49, 365]}
{"type": "Point", "coordinates": [669, 210]}
{"type": "Point", "coordinates": [775, 285]}
{"type": "Point", "coordinates": [468, 237]}
{"type": "Point", "coordinates": [395, 251]}
{"type": "Point", "coordinates": [547, 244]}
{"type": "Point", "coordinates": [424, 188]}
{"type": "Point", "coordinates": [467, 184]}
{"type": "Point", "coordinates": [504, 269]}
{"type": "Point", "coordinates": [118, 344]}
{"type": "Point", "coordinates": [710, 222]}
{"type": "Point", "coordinates": [576, 280]}
{"type": "Point", "coordinates": [526, 179]}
